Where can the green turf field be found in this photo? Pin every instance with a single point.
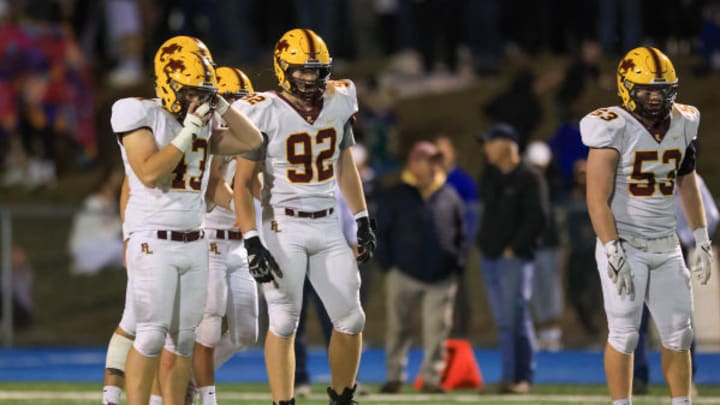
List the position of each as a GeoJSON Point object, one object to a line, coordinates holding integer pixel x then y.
{"type": "Point", "coordinates": [256, 394]}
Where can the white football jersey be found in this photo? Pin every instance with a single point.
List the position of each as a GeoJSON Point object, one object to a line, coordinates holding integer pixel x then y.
{"type": "Point", "coordinates": [177, 202]}
{"type": "Point", "coordinates": [219, 217]}
{"type": "Point", "coordinates": [642, 202]}
{"type": "Point", "coordinates": [300, 154]}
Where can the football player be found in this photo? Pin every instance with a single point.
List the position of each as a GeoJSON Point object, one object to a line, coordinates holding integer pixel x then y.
{"type": "Point", "coordinates": [165, 144]}
{"type": "Point", "coordinates": [124, 334]}
{"type": "Point", "coordinates": [308, 134]}
{"type": "Point", "coordinates": [640, 153]}
{"type": "Point", "coordinates": [231, 289]}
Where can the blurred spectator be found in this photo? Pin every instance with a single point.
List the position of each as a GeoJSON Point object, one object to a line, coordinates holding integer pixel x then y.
{"type": "Point", "coordinates": [515, 203]}
{"type": "Point", "coordinates": [47, 97]}
{"type": "Point", "coordinates": [123, 42]}
{"type": "Point", "coordinates": [710, 38]}
{"type": "Point", "coordinates": [465, 186]}
{"type": "Point", "coordinates": [421, 246]}
{"type": "Point", "coordinates": [376, 126]}
{"type": "Point", "coordinates": [641, 371]}
{"type": "Point", "coordinates": [22, 283]}
{"type": "Point", "coordinates": [584, 67]}
{"type": "Point", "coordinates": [439, 32]}
{"type": "Point", "coordinates": [547, 295]}
{"type": "Point", "coordinates": [96, 233]}
{"type": "Point", "coordinates": [583, 288]}
{"type": "Point", "coordinates": [568, 149]}
{"type": "Point", "coordinates": [518, 106]}
{"type": "Point", "coordinates": [482, 34]}
{"type": "Point", "coordinates": [619, 16]}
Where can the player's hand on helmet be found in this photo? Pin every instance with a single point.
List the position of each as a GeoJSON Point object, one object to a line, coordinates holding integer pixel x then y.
{"type": "Point", "coordinates": [619, 270]}
{"type": "Point", "coordinates": [366, 238]}
{"type": "Point", "coordinates": [220, 105]}
{"type": "Point", "coordinates": [198, 115]}
{"type": "Point", "coordinates": [262, 265]}
{"type": "Point", "coordinates": [702, 265]}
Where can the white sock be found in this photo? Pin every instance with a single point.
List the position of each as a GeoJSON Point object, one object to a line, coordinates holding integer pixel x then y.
{"type": "Point", "coordinates": [111, 395]}
{"type": "Point", "coordinates": [207, 395]}
{"type": "Point", "coordinates": [624, 401]}
{"type": "Point", "coordinates": [680, 401]}
{"type": "Point", "coordinates": [155, 400]}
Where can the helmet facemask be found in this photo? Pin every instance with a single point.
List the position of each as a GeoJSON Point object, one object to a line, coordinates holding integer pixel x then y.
{"type": "Point", "coordinates": [649, 106]}
{"type": "Point", "coordinates": [308, 90]}
{"type": "Point", "coordinates": [185, 95]}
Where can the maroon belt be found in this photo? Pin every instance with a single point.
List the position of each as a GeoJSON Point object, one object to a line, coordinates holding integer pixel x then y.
{"type": "Point", "coordinates": [230, 235]}
{"type": "Point", "coordinates": [180, 236]}
{"type": "Point", "coordinates": [303, 214]}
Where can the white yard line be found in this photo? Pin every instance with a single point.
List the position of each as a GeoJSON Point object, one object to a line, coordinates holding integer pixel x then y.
{"type": "Point", "coordinates": [450, 398]}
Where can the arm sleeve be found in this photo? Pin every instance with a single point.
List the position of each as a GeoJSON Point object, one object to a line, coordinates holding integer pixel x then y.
{"type": "Point", "coordinates": [348, 138]}
{"type": "Point", "coordinates": [688, 163]}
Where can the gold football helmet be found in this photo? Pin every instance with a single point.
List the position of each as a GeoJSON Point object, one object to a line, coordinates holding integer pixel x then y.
{"type": "Point", "coordinates": [233, 83]}
{"type": "Point", "coordinates": [301, 48]}
{"type": "Point", "coordinates": [183, 65]}
{"type": "Point", "coordinates": [647, 68]}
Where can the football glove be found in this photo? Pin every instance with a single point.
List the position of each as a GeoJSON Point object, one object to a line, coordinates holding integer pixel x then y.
{"type": "Point", "coordinates": [619, 270]}
{"type": "Point", "coordinates": [702, 265]}
{"type": "Point", "coordinates": [262, 265]}
{"type": "Point", "coordinates": [366, 238]}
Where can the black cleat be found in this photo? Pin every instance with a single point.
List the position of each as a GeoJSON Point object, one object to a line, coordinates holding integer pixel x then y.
{"type": "Point", "coordinates": [346, 398]}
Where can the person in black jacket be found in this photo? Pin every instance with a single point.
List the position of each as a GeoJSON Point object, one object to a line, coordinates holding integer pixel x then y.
{"type": "Point", "coordinates": [421, 247]}
{"type": "Point", "coordinates": [516, 205]}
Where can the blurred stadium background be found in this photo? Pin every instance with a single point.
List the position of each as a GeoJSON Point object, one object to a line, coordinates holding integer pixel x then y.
{"type": "Point", "coordinates": [63, 63]}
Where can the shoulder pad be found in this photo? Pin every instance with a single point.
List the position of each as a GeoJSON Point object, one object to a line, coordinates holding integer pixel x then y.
{"type": "Point", "coordinates": [254, 106]}
{"type": "Point", "coordinates": [602, 128]}
{"type": "Point", "coordinates": [691, 115]}
{"type": "Point", "coordinates": [129, 114]}
{"type": "Point", "coordinates": [345, 90]}
{"type": "Point", "coordinates": [689, 112]}
{"type": "Point", "coordinates": [341, 86]}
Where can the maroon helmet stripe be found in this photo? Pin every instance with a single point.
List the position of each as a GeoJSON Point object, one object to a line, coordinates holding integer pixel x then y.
{"type": "Point", "coordinates": [656, 60]}
{"type": "Point", "coordinates": [240, 79]}
{"type": "Point", "coordinates": [311, 43]}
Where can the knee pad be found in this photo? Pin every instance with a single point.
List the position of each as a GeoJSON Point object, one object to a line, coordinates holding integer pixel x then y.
{"type": "Point", "coordinates": [283, 324]}
{"type": "Point", "coordinates": [678, 340]}
{"type": "Point", "coordinates": [185, 343]}
{"type": "Point", "coordinates": [624, 341]}
{"type": "Point", "coordinates": [351, 324]}
{"type": "Point", "coordinates": [208, 332]}
{"type": "Point", "coordinates": [117, 352]}
{"type": "Point", "coordinates": [149, 341]}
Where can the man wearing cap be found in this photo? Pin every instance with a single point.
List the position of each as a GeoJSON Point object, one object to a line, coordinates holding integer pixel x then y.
{"type": "Point", "coordinates": [422, 239]}
{"type": "Point", "coordinates": [516, 205]}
